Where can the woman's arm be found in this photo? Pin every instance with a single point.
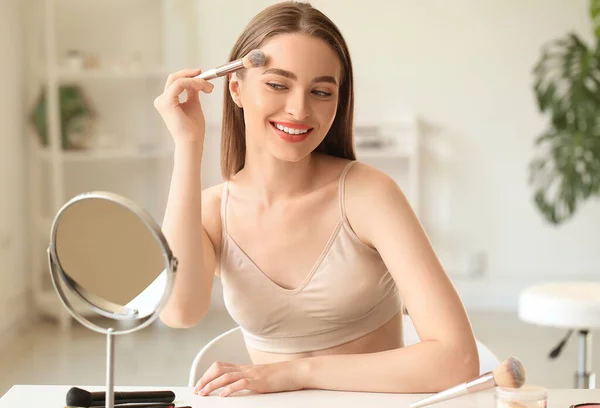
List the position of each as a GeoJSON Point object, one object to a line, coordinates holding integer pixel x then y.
{"type": "Point", "coordinates": [188, 238]}
{"type": "Point", "coordinates": [182, 224]}
{"type": "Point", "coordinates": [382, 217]}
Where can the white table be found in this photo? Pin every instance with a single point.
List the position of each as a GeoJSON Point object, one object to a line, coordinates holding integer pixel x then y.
{"type": "Point", "coordinates": [53, 396]}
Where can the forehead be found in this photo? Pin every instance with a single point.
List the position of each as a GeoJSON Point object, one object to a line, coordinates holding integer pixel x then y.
{"type": "Point", "coordinates": [305, 56]}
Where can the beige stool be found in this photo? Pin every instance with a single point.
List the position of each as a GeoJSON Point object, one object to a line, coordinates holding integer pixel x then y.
{"type": "Point", "coordinates": [569, 305]}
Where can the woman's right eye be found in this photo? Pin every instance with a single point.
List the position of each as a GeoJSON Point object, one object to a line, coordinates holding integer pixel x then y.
{"type": "Point", "coordinates": [275, 86]}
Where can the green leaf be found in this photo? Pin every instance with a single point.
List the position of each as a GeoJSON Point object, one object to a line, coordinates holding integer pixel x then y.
{"type": "Point", "coordinates": [595, 15]}
{"type": "Point", "coordinates": [566, 169]}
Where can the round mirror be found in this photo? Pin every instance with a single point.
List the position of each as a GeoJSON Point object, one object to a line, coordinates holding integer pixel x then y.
{"type": "Point", "coordinates": [108, 253]}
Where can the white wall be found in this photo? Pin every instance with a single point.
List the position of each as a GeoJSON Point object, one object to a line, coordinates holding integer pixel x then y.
{"type": "Point", "coordinates": [464, 66]}
{"type": "Point", "coordinates": [13, 225]}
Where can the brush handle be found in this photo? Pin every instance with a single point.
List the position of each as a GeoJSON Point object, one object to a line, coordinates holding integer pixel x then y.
{"type": "Point", "coordinates": [483, 382]}
{"type": "Point", "coordinates": [222, 70]}
{"type": "Point", "coordinates": [450, 393]}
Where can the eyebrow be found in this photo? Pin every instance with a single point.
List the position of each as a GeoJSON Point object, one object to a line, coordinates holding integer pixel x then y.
{"type": "Point", "coordinates": [291, 75]}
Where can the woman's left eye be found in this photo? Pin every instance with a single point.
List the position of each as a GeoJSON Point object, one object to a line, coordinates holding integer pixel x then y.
{"type": "Point", "coordinates": [319, 93]}
{"type": "Point", "coordinates": [322, 93]}
{"type": "Point", "coordinates": [275, 86]}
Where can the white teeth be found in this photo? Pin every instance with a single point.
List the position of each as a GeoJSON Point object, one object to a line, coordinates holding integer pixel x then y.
{"type": "Point", "coordinates": [291, 131]}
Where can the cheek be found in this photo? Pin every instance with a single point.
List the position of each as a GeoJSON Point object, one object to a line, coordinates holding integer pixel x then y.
{"type": "Point", "coordinates": [258, 101]}
{"type": "Point", "coordinates": [325, 112]}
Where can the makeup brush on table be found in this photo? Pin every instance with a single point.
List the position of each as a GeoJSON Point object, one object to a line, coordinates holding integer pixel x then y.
{"type": "Point", "coordinates": [254, 59]}
{"type": "Point", "coordinates": [509, 374]}
{"type": "Point", "coordinates": [78, 397]}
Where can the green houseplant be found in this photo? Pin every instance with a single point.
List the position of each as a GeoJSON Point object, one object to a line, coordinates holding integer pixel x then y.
{"type": "Point", "coordinates": [76, 116]}
{"type": "Point", "coordinates": [566, 170]}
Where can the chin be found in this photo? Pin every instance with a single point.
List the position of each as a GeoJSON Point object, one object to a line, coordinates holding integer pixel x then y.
{"type": "Point", "coordinates": [292, 154]}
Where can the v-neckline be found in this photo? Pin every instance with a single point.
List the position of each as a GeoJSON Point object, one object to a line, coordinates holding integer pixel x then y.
{"type": "Point", "coordinates": [312, 271]}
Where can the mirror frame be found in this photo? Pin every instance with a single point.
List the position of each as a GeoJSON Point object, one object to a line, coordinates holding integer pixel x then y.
{"type": "Point", "coordinates": [100, 306]}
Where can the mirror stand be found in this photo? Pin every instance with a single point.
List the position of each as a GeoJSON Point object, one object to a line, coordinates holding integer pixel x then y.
{"type": "Point", "coordinates": [110, 368]}
{"type": "Point", "coordinates": [120, 313]}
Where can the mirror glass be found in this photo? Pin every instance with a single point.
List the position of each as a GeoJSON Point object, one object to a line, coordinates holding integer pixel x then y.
{"type": "Point", "coordinates": [112, 255]}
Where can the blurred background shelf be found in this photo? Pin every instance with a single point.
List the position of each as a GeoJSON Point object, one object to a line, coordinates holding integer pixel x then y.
{"type": "Point", "coordinates": [370, 153]}
{"type": "Point", "coordinates": [105, 74]}
{"type": "Point", "coordinates": [112, 58]}
{"type": "Point", "coordinates": [394, 148]}
{"type": "Point", "coordinates": [117, 154]}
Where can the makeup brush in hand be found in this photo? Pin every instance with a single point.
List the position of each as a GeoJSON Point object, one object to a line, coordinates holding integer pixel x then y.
{"type": "Point", "coordinates": [509, 374]}
{"type": "Point", "coordinates": [254, 59]}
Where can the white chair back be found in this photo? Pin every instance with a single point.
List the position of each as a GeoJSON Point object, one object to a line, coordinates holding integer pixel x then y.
{"type": "Point", "coordinates": [228, 347]}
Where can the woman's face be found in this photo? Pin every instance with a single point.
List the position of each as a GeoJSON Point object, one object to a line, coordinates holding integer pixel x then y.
{"type": "Point", "coordinates": [289, 103]}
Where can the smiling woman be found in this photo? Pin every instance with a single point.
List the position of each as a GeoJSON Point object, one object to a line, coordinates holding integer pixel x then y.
{"type": "Point", "coordinates": [317, 253]}
{"type": "Point", "coordinates": [318, 86]}
{"type": "Point", "coordinates": [288, 92]}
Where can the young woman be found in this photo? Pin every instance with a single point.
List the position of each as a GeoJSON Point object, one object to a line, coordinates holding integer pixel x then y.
{"type": "Point", "coordinates": [316, 252]}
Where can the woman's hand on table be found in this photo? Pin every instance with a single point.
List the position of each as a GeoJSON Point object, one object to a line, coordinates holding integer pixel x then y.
{"type": "Point", "coordinates": [264, 378]}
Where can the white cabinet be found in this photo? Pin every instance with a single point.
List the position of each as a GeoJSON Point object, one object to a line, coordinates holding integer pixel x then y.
{"type": "Point", "coordinates": [394, 148]}
{"type": "Point", "coordinates": [118, 53]}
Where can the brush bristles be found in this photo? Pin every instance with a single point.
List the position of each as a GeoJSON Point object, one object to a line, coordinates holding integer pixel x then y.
{"type": "Point", "coordinates": [510, 373]}
{"type": "Point", "coordinates": [254, 59]}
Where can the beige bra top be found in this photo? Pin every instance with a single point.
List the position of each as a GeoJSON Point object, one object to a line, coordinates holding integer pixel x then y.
{"type": "Point", "coordinates": [348, 293]}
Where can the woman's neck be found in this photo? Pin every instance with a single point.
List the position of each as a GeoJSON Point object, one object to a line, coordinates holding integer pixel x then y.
{"type": "Point", "coordinates": [273, 179]}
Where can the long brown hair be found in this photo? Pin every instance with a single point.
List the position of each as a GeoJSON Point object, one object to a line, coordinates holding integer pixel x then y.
{"type": "Point", "coordinates": [289, 17]}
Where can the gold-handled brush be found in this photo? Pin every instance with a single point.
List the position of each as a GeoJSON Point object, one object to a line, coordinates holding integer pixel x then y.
{"type": "Point", "coordinates": [254, 59]}
{"type": "Point", "coordinates": [508, 374]}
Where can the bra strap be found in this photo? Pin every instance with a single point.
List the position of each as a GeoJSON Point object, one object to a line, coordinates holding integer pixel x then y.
{"type": "Point", "coordinates": [224, 196]}
{"type": "Point", "coordinates": [342, 188]}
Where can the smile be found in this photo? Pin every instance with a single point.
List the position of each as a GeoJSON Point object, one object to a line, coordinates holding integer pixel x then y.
{"type": "Point", "coordinates": [292, 129]}
{"type": "Point", "coordinates": [291, 132]}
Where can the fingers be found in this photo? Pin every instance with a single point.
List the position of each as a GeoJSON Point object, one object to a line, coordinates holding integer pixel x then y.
{"type": "Point", "coordinates": [214, 371]}
{"type": "Point", "coordinates": [239, 385]}
{"type": "Point", "coordinates": [222, 381]}
{"type": "Point", "coordinates": [190, 85]}
{"type": "Point", "coordinates": [184, 73]}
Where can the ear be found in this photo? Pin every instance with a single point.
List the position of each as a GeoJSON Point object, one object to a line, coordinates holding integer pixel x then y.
{"type": "Point", "coordinates": [234, 89]}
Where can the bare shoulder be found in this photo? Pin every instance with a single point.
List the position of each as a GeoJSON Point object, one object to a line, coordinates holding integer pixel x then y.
{"type": "Point", "coordinates": [362, 175]}
{"type": "Point", "coordinates": [211, 213]}
{"type": "Point", "coordinates": [372, 198]}
{"type": "Point", "coordinates": [366, 185]}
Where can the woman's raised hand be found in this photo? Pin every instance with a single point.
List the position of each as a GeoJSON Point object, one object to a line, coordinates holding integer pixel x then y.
{"type": "Point", "coordinates": [184, 120]}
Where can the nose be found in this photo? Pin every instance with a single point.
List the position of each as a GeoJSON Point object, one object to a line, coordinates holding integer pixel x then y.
{"type": "Point", "coordinates": [298, 105]}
